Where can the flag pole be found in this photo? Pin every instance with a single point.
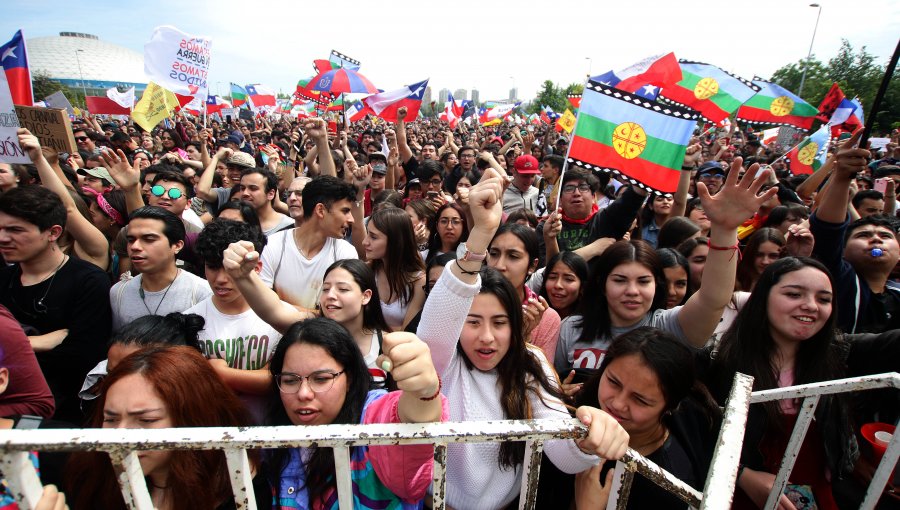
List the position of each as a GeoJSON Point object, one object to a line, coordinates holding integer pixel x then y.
{"type": "Point", "coordinates": [879, 96]}
{"type": "Point", "coordinates": [568, 149]}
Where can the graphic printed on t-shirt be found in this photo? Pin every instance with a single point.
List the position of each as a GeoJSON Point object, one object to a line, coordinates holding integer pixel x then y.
{"type": "Point", "coordinates": [589, 358]}
{"type": "Point", "coordinates": [245, 353]}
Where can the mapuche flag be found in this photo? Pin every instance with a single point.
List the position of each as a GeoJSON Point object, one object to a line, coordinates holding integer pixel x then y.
{"type": "Point", "coordinates": [713, 92]}
{"type": "Point", "coordinates": [778, 106]}
{"type": "Point", "coordinates": [810, 154]}
{"type": "Point", "coordinates": [623, 133]}
{"type": "Point", "coordinates": [238, 95]}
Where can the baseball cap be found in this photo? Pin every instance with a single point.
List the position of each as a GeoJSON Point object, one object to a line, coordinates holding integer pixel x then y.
{"type": "Point", "coordinates": [527, 165]}
{"type": "Point", "coordinates": [100, 173]}
{"type": "Point", "coordinates": [235, 139]}
{"type": "Point", "coordinates": [711, 168]}
{"type": "Point", "coordinates": [241, 159]}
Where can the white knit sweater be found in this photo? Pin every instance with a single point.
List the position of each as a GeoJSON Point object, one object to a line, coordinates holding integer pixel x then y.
{"type": "Point", "coordinates": [474, 477]}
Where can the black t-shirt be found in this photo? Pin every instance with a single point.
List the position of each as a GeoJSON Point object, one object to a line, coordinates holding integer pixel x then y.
{"type": "Point", "coordinates": [77, 299]}
{"type": "Point", "coordinates": [882, 314]}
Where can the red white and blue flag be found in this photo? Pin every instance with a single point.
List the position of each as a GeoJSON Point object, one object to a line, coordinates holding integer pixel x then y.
{"type": "Point", "coordinates": [548, 115]}
{"type": "Point", "coordinates": [386, 104]}
{"type": "Point", "coordinates": [260, 95]}
{"type": "Point", "coordinates": [357, 111]}
{"type": "Point", "coordinates": [14, 60]}
{"type": "Point", "coordinates": [848, 116]}
{"type": "Point", "coordinates": [215, 104]}
{"type": "Point", "coordinates": [644, 78]}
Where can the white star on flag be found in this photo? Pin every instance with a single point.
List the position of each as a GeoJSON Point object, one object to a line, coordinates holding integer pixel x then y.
{"type": "Point", "coordinates": [9, 53]}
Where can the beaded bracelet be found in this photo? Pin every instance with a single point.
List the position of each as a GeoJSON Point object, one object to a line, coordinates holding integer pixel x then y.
{"type": "Point", "coordinates": [436, 393]}
{"type": "Point", "coordinates": [733, 249]}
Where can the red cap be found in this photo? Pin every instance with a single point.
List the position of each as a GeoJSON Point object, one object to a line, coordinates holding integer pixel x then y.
{"type": "Point", "coordinates": [527, 165]}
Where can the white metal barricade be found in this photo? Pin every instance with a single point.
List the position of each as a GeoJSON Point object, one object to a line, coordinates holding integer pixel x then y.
{"type": "Point", "coordinates": [122, 446]}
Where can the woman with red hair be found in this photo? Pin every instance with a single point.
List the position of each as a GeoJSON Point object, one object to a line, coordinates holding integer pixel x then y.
{"type": "Point", "coordinates": [163, 387]}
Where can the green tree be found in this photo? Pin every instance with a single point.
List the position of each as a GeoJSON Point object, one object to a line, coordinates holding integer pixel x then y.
{"type": "Point", "coordinates": [550, 95]}
{"type": "Point", "coordinates": [857, 73]}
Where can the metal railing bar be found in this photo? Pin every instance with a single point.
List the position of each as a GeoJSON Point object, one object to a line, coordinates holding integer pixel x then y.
{"type": "Point", "coordinates": [883, 472]}
{"type": "Point", "coordinates": [718, 491]}
{"type": "Point", "coordinates": [804, 418]}
{"type": "Point", "coordinates": [241, 479]}
{"type": "Point", "coordinates": [868, 382]}
{"type": "Point", "coordinates": [131, 480]}
{"type": "Point", "coordinates": [342, 476]}
{"type": "Point", "coordinates": [623, 476]}
{"type": "Point", "coordinates": [23, 481]}
{"type": "Point", "coordinates": [531, 472]}
{"type": "Point", "coordinates": [439, 478]}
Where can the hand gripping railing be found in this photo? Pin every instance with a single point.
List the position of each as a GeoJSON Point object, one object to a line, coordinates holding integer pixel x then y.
{"type": "Point", "coordinates": [122, 446]}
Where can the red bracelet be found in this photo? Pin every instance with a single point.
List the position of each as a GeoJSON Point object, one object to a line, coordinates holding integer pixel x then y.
{"type": "Point", "coordinates": [436, 393]}
{"type": "Point", "coordinates": [735, 248]}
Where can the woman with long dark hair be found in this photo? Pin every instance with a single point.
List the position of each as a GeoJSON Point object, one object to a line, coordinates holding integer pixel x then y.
{"type": "Point", "coordinates": [648, 382]}
{"type": "Point", "coordinates": [785, 335]}
{"type": "Point", "coordinates": [763, 247]}
{"type": "Point", "coordinates": [563, 282]}
{"type": "Point", "coordinates": [392, 253]}
{"type": "Point", "coordinates": [627, 288]}
{"type": "Point", "coordinates": [450, 227]}
{"type": "Point", "coordinates": [473, 324]}
{"type": "Point", "coordinates": [321, 378]}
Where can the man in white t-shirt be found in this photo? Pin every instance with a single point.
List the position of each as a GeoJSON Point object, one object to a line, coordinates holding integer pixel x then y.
{"type": "Point", "coordinates": [258, 188]}
{"type": "Point", "coordinates": [154, 237]}
{"type": "Point", "coordinates": [236, 341]}
{"type": "Point", "coordinates": [295, 261]}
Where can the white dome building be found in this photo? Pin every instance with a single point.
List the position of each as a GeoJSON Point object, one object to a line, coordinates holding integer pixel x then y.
{"type": "Point", "coordinates": [77, 60]}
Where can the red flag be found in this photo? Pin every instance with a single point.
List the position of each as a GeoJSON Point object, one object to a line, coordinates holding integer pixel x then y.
{"type": "Point", "coordinates": [105, 106]}
{"type": "Point", "coordinates": [830, 103]}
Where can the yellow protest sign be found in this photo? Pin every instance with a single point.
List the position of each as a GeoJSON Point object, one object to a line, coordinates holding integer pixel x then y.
{"type": "Point", "coordinates": [155, 105]}
{"type": "Point", "coordinates": [567, 121]}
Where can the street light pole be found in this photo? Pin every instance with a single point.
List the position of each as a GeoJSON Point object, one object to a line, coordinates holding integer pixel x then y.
{"type": "Point", "coordinates": [590, 65]}
{"type": "Point", "coordinates": [81, 75]}
{"type": "Point", "coordinates": [809, 54]}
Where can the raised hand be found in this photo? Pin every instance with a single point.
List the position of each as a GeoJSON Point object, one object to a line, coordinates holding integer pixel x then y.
{"type": "Point", "coordinates": [316, 129]}
{"type": "Point", "coordinates": [485, 200]}
{"type": "Point", "coordinates": [849, 160]}
{"type": "Point", "coordinates": [408, 359]}
{"type": "Point", "coordinates": [240, 259]}
{"type": "Point", "coordinates": [125, 174]}
{"type": "Point", "coordinates": [532, 312]}
{"type": "Point", "coordinates": [737, 200]}
{"type": "Point", "coordinates": [30, 144]}
{"type": "Point", "coordinates": [401, 113]}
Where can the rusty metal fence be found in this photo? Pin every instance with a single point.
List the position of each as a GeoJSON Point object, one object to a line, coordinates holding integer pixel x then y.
{"type": "Point", "coordinates": [123, 445]}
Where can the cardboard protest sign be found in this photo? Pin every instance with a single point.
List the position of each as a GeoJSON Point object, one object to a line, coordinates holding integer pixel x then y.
{"type": "Point", "coordinates": [50, 125]}
{"type": "Point", "coordinates": [178, 61]}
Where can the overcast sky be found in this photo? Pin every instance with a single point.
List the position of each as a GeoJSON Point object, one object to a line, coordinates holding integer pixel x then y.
{"type": "Point", "coordinates": [488, 45]}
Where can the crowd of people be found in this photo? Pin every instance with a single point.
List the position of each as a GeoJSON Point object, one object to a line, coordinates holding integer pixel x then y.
{"type": "Point", "coordinates": [222, 272]}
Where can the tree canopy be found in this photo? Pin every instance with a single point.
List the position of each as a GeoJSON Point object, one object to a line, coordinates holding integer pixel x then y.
{"type": "Point", "coordinates": [857, 73]}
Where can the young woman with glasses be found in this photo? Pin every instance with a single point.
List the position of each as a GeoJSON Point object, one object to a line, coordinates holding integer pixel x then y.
{"type": "Point", "coordinates": [320, 379]}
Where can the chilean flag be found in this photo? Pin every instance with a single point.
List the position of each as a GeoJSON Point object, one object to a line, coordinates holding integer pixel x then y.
{"type": "Point", "coordinates": [215, 104]}
{"type": "Point", "coordinates": [386, 104]}
{"type": "Point", "coordinates": [451, 112]}
{"type": "Point", "coordinates": [645, 78]}
{"type": "Point", "coordinates": [17, 75]}
{"type": "Point", "coordinates": [357, 111]}
{"type": "Point", "coordinates": [260, 95]}
{"type": "Point", "coordinates": [848, 116]}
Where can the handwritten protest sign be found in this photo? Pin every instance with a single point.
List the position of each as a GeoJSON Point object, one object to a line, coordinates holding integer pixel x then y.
{"type": "Point", "coordinates": [178, 61]}
{"type": "Point", "coordinates": [50, 125]}
{"type": "Point", "coordinates": [10, 152]}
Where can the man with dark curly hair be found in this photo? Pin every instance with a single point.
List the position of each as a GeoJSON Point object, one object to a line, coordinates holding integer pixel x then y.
{"type": "Point", "coordinates": [236, 341]}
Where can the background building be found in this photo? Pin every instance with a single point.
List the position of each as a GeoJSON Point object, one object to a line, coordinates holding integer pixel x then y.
{"type": "Point", "coordinates": [513, 94]}
{"type": "Point", "coordinates": [85, 63]}
{"type": "Point", "coordinates": [426, 97]}
{"type": "Point", "coordinates": [442, 97]}
{"type": "Point", "coordinates": [460, 94]}
{"type": "Point", "coordinates": [475, 95]}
